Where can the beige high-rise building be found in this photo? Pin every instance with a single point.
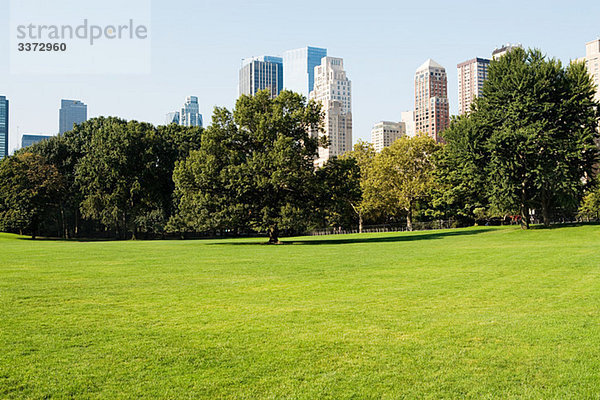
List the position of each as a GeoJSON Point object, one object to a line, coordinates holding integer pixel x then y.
{"type": "Point", "coordinates": [432, 113]}
{"type": "Point", "coordinates": [592, 61]}
{"type": "Point", "coordinates": [499, 52]}
{"type": "Point", "coordinates": [385, 133]}
{"type": "Point", "coordinates": [334, 90]}
{"type": "Point", "coordinates": [408, 117]}
{"type": "Point", "coordinates": [471, 76]}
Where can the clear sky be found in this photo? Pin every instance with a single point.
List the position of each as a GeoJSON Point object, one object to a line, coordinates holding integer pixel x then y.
{"type": "Point", "coordinates": [197, 47]}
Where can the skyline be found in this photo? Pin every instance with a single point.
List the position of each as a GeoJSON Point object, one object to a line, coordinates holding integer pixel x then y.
{"type": "Point", "coordinates": [382, 46]}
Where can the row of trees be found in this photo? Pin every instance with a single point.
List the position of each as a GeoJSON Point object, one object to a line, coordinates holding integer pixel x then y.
{"type": "Point", "coordinates": [527, 147]}
{"type": "Point", "coordinates": [106, 174]}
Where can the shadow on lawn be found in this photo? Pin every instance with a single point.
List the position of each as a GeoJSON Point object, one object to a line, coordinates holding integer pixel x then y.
{"type": "Point", "coordinates": [392, 237]}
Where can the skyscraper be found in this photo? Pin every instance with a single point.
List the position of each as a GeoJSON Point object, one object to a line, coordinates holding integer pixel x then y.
{"type": "Point", "coordinates": [471, 75]}
{"type": "Point", "coordinates": [260, 73]}
{"type": "Point", "coordinates": [3, 127]}
{"type": "Point", "coordinates": [432, 114]}
{"type": "Point", "coordinates": [190, 113]}
{"type": "Point", "coordinates": [499, 52]}
{"type": "Point", "coordinates": [28, 140]}
{"type": "Point", "coordinates": [71, 112]}
{"type": "Point", "coordinates": [333, 90]}
{"type": "Point", "coordinates": [299, 69]}
{"type": "Point", "coordinates": [408, 117]}
{"type": "Point", "coordinates": [385, 133]}
{"type": "Point", "coordinates": [592, 61]}
{"type": "Point", "coordinates": [172, 118]}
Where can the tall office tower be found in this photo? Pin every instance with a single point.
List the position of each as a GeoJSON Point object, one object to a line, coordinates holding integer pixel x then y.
{"type": "Point", "coordinates": [592, 60]}
{"type": "Point", "coordinates": [3, 127]}
{"type": "Point", "coordinates": [471, 75]}
{"type": "Point", "coordinates": [172, 118]}
{"type": "Point", "coordinates": [499, 52]}
{"type": "Point", "coordinates": [408, 117]}
{"type": "Point", "coordinates": [385, 133]}
{"type": "Point", "coordinates": [190, 113]}
{"type": "Point", "coordinates": [28, 140]}
{"type": "Point", "coordinates": [260, 73]}
{"type": "Point", "coordinates": [432, 114]}
{"type": "Point", "coordinates": [71, 112]}
{"type": "Point", "coordinates": [333, 90]}
{"type": "Point", "coordinates": [299, 69]}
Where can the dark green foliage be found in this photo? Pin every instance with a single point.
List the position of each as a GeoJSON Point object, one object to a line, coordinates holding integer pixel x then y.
{"type": "Point", "coordinates": [339, 192]}
{"type": "Point", "coordinates": [528, 145]}
{"type": "Point", "coordinates": [117, 176]}
{"type": "Point", "coordinates": [30, 190]}
{"type": "Point", "coordinates": [254, 169]}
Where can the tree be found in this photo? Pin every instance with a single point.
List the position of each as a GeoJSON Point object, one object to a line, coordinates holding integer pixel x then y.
{"type": "Point", "coordinates": [460, 173]}
{"type": "Point", "coordinates": [539, 124]}
{"type": "Point", "coordinates": [254, 168]}
{"type": "Point", "coordinates": [339, 192]}
{"type": "Point", "coordinates": [402, 174]}
{"type": "Point", "coordinates": [590, 206]}
{"type": "Point", "coordinates": [363, 153]}
{"type": "Point", "coordinates": [125, 176]}
{"type": "Point", "coordinates": [29, 192]}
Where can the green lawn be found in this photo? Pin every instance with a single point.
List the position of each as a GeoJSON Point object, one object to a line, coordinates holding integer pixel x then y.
{"type": "Point", "coordinates": [474, 313]}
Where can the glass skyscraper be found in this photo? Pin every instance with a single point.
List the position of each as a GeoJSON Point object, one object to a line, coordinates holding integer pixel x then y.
{"type": "Point", "coordinates": [28, 140]}
{"type": "Point", "coordinates": [190, 113]}
{"type": "Point", "coordinates": [172, 118]}
{"type": "Point", "coordinates": [3, 127]}
{"type": "Point", "coordinates": [71, 112]}
{"type": "Point", "coordinates": [299, 68]}
{"type": "Point", "coordinates": [260, 73]}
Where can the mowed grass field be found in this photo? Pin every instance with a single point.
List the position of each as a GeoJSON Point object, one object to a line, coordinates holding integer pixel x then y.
{"type": "Point", "coordinates": [474, 313]}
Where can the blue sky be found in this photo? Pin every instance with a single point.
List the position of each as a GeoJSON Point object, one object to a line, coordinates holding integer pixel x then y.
{"type": "Point", "coordinates": [197, 46]}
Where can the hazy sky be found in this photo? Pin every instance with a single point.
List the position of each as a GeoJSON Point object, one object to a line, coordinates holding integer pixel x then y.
{"type": "Point", "coordinates": [197, 47]}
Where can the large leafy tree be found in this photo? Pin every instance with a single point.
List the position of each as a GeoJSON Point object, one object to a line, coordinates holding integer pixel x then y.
{"type": "Point", "coordinates": [540, 123]}
{"type": "Point", "coordinates": [29, 192]}
{"type": "Point", "coordinates": [339, 192]}
{"type": "Point", "coordinates": [125, 175]}
{"type": "Point", "coordinates": [363, 155]}
{"type": "Point", "coordinates": [254, 168]}
{"type": "Point", "coordinates": [402, 175]}
{"type": "Point", "coordinates": [460, 174]}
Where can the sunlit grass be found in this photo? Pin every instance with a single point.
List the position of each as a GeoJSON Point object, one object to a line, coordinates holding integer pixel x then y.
{"type": "Point", "coordinates": [475, 313]}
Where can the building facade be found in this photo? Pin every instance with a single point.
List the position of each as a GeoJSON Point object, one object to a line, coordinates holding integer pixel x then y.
{"type": "Point", "coordinates": [502, 50]}
{"type": "Point", "coordinates": [385, 133]}
{"type": "Point", "coordinates": [299, 69]}
{"type": "Point", "coordinates": [333, 90]}
{"type": "Point", "coordinates": [71, 112]}
{"type": "Point", "coordinates": [3, 127]}
{"type": "Point", "coordinates": [408, 118]}
{"type": "Point", "coordinates": [190, 113]}
{"type": "Point", "coordinates": [432, 113]}
{"type": "Point", "coordinates": [592, 61]}
{"type": "Point", "coordinates": [260, 73]}
{"type": "Point", "coordinates": [471, 76]}
{"type": "Point", "coordinates": [28, 140]}
{"type": "Point", "coordinates": [172, 118]}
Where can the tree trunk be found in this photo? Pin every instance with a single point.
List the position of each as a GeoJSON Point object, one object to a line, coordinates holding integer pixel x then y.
{"type": "Point", "coordinates": [545, 208]}
{"type": "Point", "coordinates": [76, 221]}
{"type": "Point", "coordinates": [360, 223]}
{"type": "Point", "coordinates": [524, 209]}
{"type": "Point", "coordinates": [409, 224]}
{"type": "Point", "coordinates": [64, 222]}
{"type": "Point", "coordinates": [274, 235]}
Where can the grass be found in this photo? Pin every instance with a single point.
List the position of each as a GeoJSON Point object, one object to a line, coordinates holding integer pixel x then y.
{"type": "Point", "coordinates": [475, 313]}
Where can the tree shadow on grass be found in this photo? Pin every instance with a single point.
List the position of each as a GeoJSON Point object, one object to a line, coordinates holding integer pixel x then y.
{"type": "Point", "coordinates": [368, 238]}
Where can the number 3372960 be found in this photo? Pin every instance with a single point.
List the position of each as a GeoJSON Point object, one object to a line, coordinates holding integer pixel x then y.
{"type": "Point", "coordinates": [42, 46]}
